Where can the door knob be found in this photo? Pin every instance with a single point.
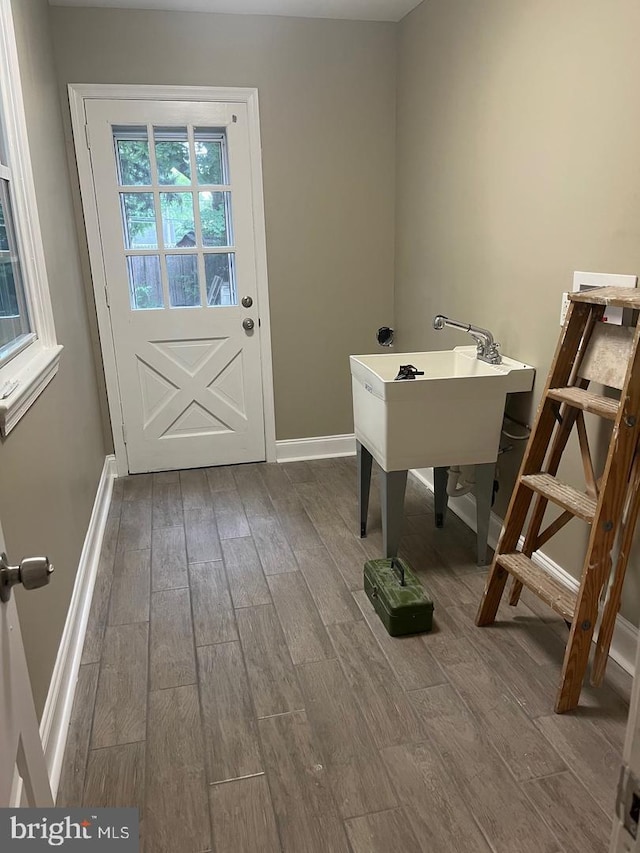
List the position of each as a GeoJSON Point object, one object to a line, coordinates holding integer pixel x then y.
{"type": "Point", "coordinates": [248, 324]}
{"type": "Point", "coordinates": [247, 302]}
{"type": "Point", "coordinates": [33, 572]}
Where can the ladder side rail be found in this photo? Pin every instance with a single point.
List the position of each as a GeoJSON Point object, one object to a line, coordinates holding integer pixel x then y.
{"type": "Point", "coordinates": [597, 564]}
{"type": "Point", "coordinates": [567, 417]}
{"type": "Point", "coordinates": [568, 346]}
{"type": "Point", "coordinates": [612, 604]}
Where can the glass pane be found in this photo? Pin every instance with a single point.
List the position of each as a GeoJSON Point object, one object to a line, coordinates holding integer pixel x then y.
{"type": "Point", "coordinates": [145, 282]}
{"type": "Point", "coordinates": [215, 218]}
{"type": "Point", "coordinates": [172, 156]}
{"type": "Point", "coordinates": [134, 167]}
{"type": "Point", "coordinates": [4, 236]}
{"type": "Point", "coordinates": [184, 287]}
{"type": "Point", "coordinates": [14, 320]}
{"type": "Point", "coordinates": [139, 221]}
{"type": "Point", "coordinates": [209, 161]}
{"type": "Point", "coordinates": [178, 230]}
{"type": "Point", "coordinates": [221, 279]}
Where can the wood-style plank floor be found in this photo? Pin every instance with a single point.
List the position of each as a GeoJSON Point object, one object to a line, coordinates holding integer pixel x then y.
{"type": "Point", "coordinates": [237, 687]}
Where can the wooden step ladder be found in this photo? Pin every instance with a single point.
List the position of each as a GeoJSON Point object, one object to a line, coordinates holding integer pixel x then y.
{"type": "Point", "coordinates": [588, 351]}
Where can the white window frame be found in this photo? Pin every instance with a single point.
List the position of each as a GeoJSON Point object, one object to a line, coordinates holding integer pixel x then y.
{"type": "Point", "coordinates": [25, 375]}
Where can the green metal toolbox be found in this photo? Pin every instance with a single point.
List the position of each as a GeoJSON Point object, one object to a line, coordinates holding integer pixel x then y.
{"type": "Point", "coordinates": [398, 596]}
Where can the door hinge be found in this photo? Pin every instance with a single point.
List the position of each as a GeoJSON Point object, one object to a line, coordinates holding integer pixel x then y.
{"type": "Point", "coordinates": [124, 433]}
{"type": "Point", "coordinates": [87, 136]}
{"type": "Point", "coordinates": [106, 296]}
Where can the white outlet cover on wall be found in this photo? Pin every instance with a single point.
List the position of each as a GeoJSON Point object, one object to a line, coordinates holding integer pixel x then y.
{"type": "Point", "coordinates": [589, 280]}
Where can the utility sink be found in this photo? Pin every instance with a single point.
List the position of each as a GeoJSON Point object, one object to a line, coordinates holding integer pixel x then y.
{"type": "Point", "coordinates": [450, 416]}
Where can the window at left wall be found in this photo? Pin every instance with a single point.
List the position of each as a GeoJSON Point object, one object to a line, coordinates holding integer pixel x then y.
{"type": "Point", "coordinates": [15, 325]}
{"type": "Point", "coordinates": [29, 351]}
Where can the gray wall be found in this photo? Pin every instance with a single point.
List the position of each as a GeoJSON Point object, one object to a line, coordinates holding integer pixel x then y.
{"type": "Point", "coordinates": [327, 105]}
{"type": "Point", "coordinates": [518, 141]}
{"type": "Point", "coordinates": [51, 462]}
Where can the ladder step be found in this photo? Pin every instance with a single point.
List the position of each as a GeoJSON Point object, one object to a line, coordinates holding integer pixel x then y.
{"type": "Point", "coordinates": [621, 297]}
{"type": "Point", "coordinates": [577, 503]}
{"type": "Point", "coordinates": [585, 400]}
{"type": "Point", "coordinates": [552, 591]}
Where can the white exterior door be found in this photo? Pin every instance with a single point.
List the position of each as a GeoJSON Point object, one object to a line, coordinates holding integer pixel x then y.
{"type": "Point", "coordinates": [173, 193]}
{"type": "Point", "coordinates": [20, 745]}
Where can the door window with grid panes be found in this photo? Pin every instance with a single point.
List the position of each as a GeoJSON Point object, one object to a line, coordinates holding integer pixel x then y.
{"type": "Point", "coordinates": [175, 203]}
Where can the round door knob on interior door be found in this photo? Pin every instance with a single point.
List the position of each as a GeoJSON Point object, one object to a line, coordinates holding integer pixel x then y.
{"type": "Point", "coordinates": [247, 302]}
{"type": "Point", "coordinates": [248, 324]}
{"type": "Point", "coordinates": [35, 572]}
{"type": "Point", "coordinates": [32, 573]}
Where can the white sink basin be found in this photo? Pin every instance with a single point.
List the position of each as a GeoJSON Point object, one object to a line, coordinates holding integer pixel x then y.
{"type": "Point", "coordinates": [450, 416]}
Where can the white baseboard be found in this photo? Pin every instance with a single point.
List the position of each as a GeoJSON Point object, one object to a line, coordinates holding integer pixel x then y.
{"type": "Point", "coordinates": [625, 637]}
{"type": "Point", "coordinates": [322, 447]}
{"type": "Point", "coordinates": [54, 726]}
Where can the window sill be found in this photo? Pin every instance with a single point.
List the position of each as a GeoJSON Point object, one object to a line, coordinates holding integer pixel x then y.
{"type": "Point", "coordinates": [32, 377]}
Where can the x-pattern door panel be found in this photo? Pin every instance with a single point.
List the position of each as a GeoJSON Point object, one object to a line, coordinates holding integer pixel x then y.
{"type": "Point", "coordinates": [174, 198]}
{"type": "Point", "coordinates": [172, 391]}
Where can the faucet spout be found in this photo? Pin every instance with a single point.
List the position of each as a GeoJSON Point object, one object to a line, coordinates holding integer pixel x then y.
{"type": "Point", "coordinates": [439, 321]}
{"type": "Point", "coordinates": [487, 348]}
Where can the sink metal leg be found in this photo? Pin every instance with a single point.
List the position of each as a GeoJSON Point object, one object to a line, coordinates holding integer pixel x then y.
{"type": "Point", "coordinates": [392, 488]}
{"type": "Point", "coordinates": [485, 475]}
{"type": "Point", "coordinates": [364, 485]}
{"type": "Point", "coordinates": [441, 500]}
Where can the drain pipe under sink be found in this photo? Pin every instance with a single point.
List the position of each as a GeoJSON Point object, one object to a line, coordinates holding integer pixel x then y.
{"type": "Point", "coordinates": [461, 480]}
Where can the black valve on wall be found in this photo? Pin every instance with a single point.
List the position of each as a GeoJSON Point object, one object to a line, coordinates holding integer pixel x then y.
{"type": "Point", "coordinates": [384, 336]}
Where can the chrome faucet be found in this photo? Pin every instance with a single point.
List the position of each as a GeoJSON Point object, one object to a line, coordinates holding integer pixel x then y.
{"type": "Point", "coordinates": [486, 348]}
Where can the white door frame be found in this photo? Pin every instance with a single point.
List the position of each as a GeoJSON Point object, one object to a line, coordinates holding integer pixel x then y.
{"type": "Point", "coordinates": [79, 93]}
{"type": "Point", "coordinates": [621, 840]}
